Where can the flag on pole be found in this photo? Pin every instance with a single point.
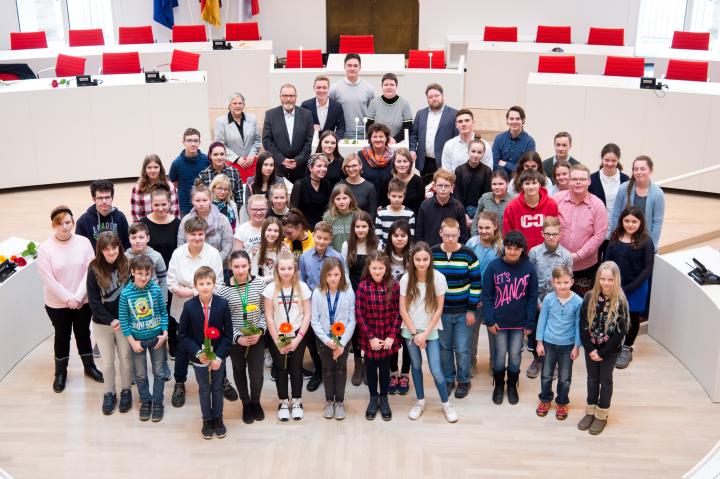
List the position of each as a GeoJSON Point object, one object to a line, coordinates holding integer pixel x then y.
{"type": "Point", "coordinates": [210, 11]}
{"type": "Point", "coordinates": [163, 12]}
{"type": "Point", "coordinates": [248, 9]}
{"type": "Point", "coordinates": [255, 7]}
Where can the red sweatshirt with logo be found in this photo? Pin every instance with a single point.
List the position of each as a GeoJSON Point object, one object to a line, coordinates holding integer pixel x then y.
{"type": "Point", "coordinates": [521, 217]}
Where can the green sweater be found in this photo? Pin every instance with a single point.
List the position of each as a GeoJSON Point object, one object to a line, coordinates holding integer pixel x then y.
{"type": "Point", "coordinates": [142, 311]}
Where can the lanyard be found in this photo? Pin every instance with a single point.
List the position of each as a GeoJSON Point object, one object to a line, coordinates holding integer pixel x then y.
{"type": "Point", "coordinates": [332, 309]}
{"type": "Point", "coordinates": [243, 296]}
{"type": "Point", "coordinates": [287, 302]}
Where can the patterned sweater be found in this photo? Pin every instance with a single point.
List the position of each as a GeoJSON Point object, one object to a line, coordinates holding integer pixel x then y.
{"type": "Point", "coordinates": [142, 311]}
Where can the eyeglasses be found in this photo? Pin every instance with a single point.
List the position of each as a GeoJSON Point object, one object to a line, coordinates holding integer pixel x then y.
{"type": "Point", "coordinates": [578, 180]}
{"type": "Point", "coordinates": [222, 188]}
{"type": "Point", "coordinates": [258, 210]}
{"type": "Point", "coordinates": [451, 235]}
{"type": "Point", "coordinates": [288, 96]}
{"type": "Point", "coordinates": [103, 198]}
{"type": "Point", "coordinates": [551, 235]}
{"type": "Point", "coordinates": [442, 186]}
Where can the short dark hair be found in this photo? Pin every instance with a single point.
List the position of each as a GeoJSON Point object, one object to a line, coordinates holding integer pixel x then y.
{"type": "Point", "coordinates": [375, 127]}
{"type": "Point", "coordinates": [396, 185]}
{"type": "Point", "coordinates": [464, 111]}
{"type": "Point", "coordinates": [102, 185]}
{"type": "Point", "coordinates": [389, 76]}
{"type": "Point", "coordinates": [190, 132]}
{"type": "Point", "coordinates": [138, 227]}
{"type": "Point", "coordinates": [434, 86]}
{"type": "Point", "coordinates": [142, 262]}
{"type": "Point", "coordinates": [517, 239]}
{"type": "Point", "coordinates": [517, 109]}
{"type": "Point", "coordinates": [351, 56]}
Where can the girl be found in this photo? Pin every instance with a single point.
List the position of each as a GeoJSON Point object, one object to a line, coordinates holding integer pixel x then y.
{"type": "Point", "coordinates": [361, 241]}
{"type": "Point", "coordinates": [494, 201]}
{"type": "Point", "coordinates": [363, 190]}
{"type": "Point", "coordinates": [151, 174]}
{"type": "Point", "coordinates": [219, 233]}
{"type": "Point", "coordinates": [216, 155]}
{"type": "Point", "coordinates": [530, 161]}
{"type": "Point", "coordinates": [222, 197]}
{"type": "Point", "coordinates": [265, 176]}
{"type": "Point", "coordinates": [333, 303]}
{"type": "Point", "coordinates": [279, 198]}
{"type": "Point", "coordinates": [402, 169]}
{"type": "Point", "coordinates": [633, 251]}
{"type": "Point", "coordinates": [561, 175]}
{"type": "Point", "coordinates": [247, 234]}
{"type": "Point", "coordinates": [311, 194]}
{"type": "Point", "coordinates": [328, 146]}
{"type": "Point", "coordinates": [243, 292]}
{"type": "Point", "coordinates": [107, 276]}
{"type": "Point", "coordinates": [298, 236]}
{"type": "Point", "coordinates": [378, 319]}
{"type": "Point", "coordinates": [605, 184]}
{"type": "Point", "coordinates": [287, 312]}
{"type": "Point", "coordinates": [265, 255]}
{"type": "Point", "coordinates": [422, 295]}
{"type": "Point", "coordinates": [472, 178]}
{"type": "Point", "coordinates": [340, 214]}
{"type": "Point", "coordinates": [603, 324]}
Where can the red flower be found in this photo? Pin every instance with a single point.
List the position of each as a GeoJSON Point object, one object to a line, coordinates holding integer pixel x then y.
{"type": "Point", "coordinates": [338, 329]}
{"type": "Point", "coordinates": [20, 261]}
{"type": "Point", "coordinates": [212, 333]}
{"type": "Point", "coordinates": [285, 328]}
{"type": "Point", "coordinates": [54, 83]}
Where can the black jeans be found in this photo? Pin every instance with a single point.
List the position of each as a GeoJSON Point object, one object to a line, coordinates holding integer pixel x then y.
{"type": "Point", "coordinates": [251, 366]}
{"type": "Point", "coordinates": [67, 320]}
{"type": "Point", "coordinates": [378, 369]}
{"type": "Point", "coordinates": [182, 362]}
{"type": "Point", "coordinates": [334, 372]}
{"type": "Point", "coordinates": [293, 369]}
{"type": "Point", "coordinates": [584, 279]}
{"type": "Point", "coordinates": [355, 341]}
{"type": "Point", "coordinates": [633, 330]}
{"type": "Point", "coordinates": [312, 347]}
{"type": "Point", "coordinates": [600, 380]}
{"type": "Point", "coordinates": [405, 360]}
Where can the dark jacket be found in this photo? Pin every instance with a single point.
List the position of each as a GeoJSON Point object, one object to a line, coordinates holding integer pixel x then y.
{"type": "Point", "coordinates": [92, 223]}
{"type": "Point", "coordinates": [276, 141]}
{"type": "Point", "coordinates": [335, 120]}
{"type": "Point", "coordinates": [471, 183]}
{"type": "Point", "coordinates": [418, 134]}
{"type": "Point", "coordinates": [104, 303]}
{"type": "Point", "coordinates": [548, 165]}
{"type": "Point", "coordinates": [596, 187]}
{"type": "Point", "coordinates": [191, 332]}
{"type": "Point", "coordinates": [595, 337]}
{"type": "Point", "coordinates": [431, 216]}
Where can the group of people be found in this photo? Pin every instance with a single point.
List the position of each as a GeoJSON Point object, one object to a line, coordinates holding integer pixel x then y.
{"type": "Point", "coordinates": [257, 256]}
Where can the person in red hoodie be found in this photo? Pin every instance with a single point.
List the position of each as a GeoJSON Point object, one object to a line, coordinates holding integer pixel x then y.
{"type": "Point", "coordinates": [528, 210]}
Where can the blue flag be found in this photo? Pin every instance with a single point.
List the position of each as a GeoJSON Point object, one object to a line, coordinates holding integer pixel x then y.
{"type": "Point", "coordinates": [163, 12]}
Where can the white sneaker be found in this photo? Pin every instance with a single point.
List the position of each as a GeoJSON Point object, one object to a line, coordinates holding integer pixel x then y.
{"type": "Point", "coordinates": [284, 411]}
{"type": "Point", "coordinates": [329, 411]}
{"type": "Point", "coordinates": [297, 409]}
{"type": "Point", "coordinates": [268, 359]}
{"type": "Point", "coordinates": [450, 413]}
{"type": "Point", "coordinates": [417, 410]}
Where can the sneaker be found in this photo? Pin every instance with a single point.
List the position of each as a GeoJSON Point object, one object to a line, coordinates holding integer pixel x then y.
{"type": "Point", "coordinates": [258, 413]}
{"type": "Point", "coordinates": [393, 386]}
{"type": "Point", "coordinates": [561, 412]}
{"type": "Point", "coordinates": [463, 389]}
{"type": "Point", "coordinates": [248, 416]}
{"type": "Point", "coordinates": [207, 429]}
{"type": "Point", "coordinates": [220, 429]}
{"type": "Point", "coordinates": [284, 411]}
{"type": "Point", "coordinates": [314, 383]}
{"type": "Point", "coordinates": [307, 374]}
{"type": "Point", "coordinates": [534, 369]}
{"type": "Point", "coordinates": [158, 411]}
{"type": "Point", "coordinates": [329, 411]}
{"type": "Point", "coordinates": [450, 413]}
{"type": "Point", "coordinates": [339, 411]}
{"type": "Point", "coordinates": [268, 359]}
{"type": "Point", "coordinates": [624, 358]}
{"type": "Point", "coordinates": [125, 401]}
{"type": "Point", "coordinates": [145, 410]}
{"type": "Point", "coordinates": [229, 391]}
{"type": "Point", "coordinates": [178, 395]}
{"type": "Point", "coordinates": [542, 408]}
{"type": "Point", "coordinates": [417, 410]}
{"type": "Point", "coordinates": [404, 385]}
{"type": "Point", "coordinates": [108, 404]}
{"type": "Point", "coordinates": [296, 409]}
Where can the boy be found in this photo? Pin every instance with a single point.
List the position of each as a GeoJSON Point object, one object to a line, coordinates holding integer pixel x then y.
{"type": "Point", "coordinates": [102, 215]}
{"type": "Point", "coordinates": [200, 316]}
{"type": "Point", "coordinates": [139, 237]}
{"type": "Point", "coordinates": [546, 257]}
{"type": "Point", "coordinates": [186, 168]}
{"type": "Point", "coordinates": [528, 210]}
{"type": "Point", "coordinates": [247, 235]}
{"type": "Point", "coordinates": [393, 212]}
{"type": "Point", "coordinates": [144, 322]}
{"type": "Point", "coordinates": [462, 271]}
{"type": "Point", "coordinates": [441, 206]}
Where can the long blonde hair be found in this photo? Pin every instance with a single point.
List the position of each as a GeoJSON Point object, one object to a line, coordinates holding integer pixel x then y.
{"type": "Point", "coordinates": [616, 304]}
{"type": "Point", "coordinates": [286, 256]}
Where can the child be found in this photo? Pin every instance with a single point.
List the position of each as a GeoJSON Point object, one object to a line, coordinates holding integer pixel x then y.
{"type": "Point", "coordinates": [264, 256]}
{"type": "Point", "coordinates": [106, 277]}
{"type": "Point", "coordinates": [340, 213]}
{"type": "Point", "coordinates": [378, 318]}
{"type": "Point", "coordinates": [186, 168]}
{"type": "Point", "coordinates": [219, 233]}
{"type": "Point", "coordinates": [441, 206]}
{"type": "Point", "coordinates": [360, 243]}
{"type": "Point", "coordinates": [528, 210]}
{"type": "Point", "coordinates": [546, 257]}
{"type": "Point", "coordinates": [333, 302]}
{"type": "Point", "coordinates": [558, 340]}
{"type": "Point", "coordinates": [287, 301]}
{"type": "Point", "coordinates": [603, 324]}
{"type": "Point", "coordinates": [509, 293]}
{"type": "Point", "coordinates": [279, 199]}
{"type": "Point", "coordinates": [222, 197]}
{"type": "Point", "coordinates": [247, 235]}
{"type": "Point", "coordinates": [200, 314]}
{"type": "Point", "coordinates": [243, 293]}
{"type": "Point", "coordinates": [102, 215]}
{"type": "Point", "coordinates": [394, 211]}
{"type": "Point", "coordinates": [139, 239]}
{"type": "Point", "coordinates": [298, 236]}
{"type": "Point", "coordinates": [422, 294]}
{"type": "Point", "coordinates": [494, 201]}
{"type": "Point", "coordinates": [632, 249]}
{"type": "Point", "coordinates": [144, 322]}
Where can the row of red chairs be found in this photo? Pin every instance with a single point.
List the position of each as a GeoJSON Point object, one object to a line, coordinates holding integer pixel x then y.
{"type": "Point", "coordinates": [627, 67]}
{"type": "Point", "coordinates": [416, 59]}
{"type": "Point", "coordinates": [121, 63]}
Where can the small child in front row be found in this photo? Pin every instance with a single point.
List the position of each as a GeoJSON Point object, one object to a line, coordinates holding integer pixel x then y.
{"type": "Point", "coordinates": [144, 322]}
{"type": "Point", "coordinates": [558, 341]}
{"type": "Point", "coordinates": [333, 303]}
{"type": "Point", "coordinates": [377, 313]}
{"type": "Point", "coordinates": [199, 316]}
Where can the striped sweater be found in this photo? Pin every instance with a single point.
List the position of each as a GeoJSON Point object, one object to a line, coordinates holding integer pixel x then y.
{"type": "Point", "coordinates": [233, 295]}
{"type": "Point", "coordinates": [464, 280]}
{"type": "Point", "coordinates": [385, 218]}
{"type": "Point", "coordinates": [142, 311]}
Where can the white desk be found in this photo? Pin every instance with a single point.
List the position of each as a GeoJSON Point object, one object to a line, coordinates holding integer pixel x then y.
{"type": "Point", "coordinates": [350, 146]}
{"type": "Point", "coordinates": [69, 134]}
{"type": "Point", "coordinates": [457, 44]}
{"type": "Point", "coordinates": [497, 72]}
{"type": "Point", "coordinates": [370, 63]}
{"type": "Point", "coordinates": [685, 317]}
{"type": "Point", "coordinates": [662, 54]}
{"type": "Point", "coordinates": [598, 110]}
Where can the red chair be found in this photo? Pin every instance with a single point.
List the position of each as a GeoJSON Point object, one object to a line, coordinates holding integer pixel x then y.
{"type": "Point", "coordinates": [135, 35]}
{"type": "Point", "coordinates": [238, 32]}
{"type": "Point", "coordinates": [69, 66]}
{"type": "Point", "coordinates": [422, 59]}
{"type": "Point", "coordinates": [188, 33]}
{"type": "Point", "coordinates": [500, 34]}
{"type": "Point", "coordinates": [120, 63]}
{"type": "Point", "coordinates": [27, 40]}
{"type": "Point", "coordinates": [85, 38]}
{"type": "Point", "coordinates": [691, 40]}
{"type": "Point", "coordinates": [357, 44]}
{"type": "Point", "coordinates": [687, 70]}
{"type": "Point", "coordinates": [547, 34]}
{"type": "Point", "coordinates": [606, 36]}
{"type": "Point", "coordinates": [184, 61]}
{"type": "Point", "coordinates": [310, 59]}
{"type": "Point", "coordinates": [624, 67]}
{"type": "Point", "coordinates": [556, 64]}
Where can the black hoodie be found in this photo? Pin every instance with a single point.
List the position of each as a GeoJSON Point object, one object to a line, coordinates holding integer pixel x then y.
{"type": "Point", "coordinates": [92, 223]}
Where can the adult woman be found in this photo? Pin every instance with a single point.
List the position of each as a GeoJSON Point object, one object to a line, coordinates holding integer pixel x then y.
{"type": "Point", "coordinates": [495, 200]}
{"type": "Point", "coordinates": [238, 131]}
{"type": "Point", "coordinates": [402, 169]}
{"type": "Point", "coordinates": [377, 156]}
{"type": "Point", "coordinates": [152, 173]}
{"type": "Point", "coordinates": [530, 161]}
{"type": "Point", "coordinates": [390, 110]}
{"type": "Point", "coordinates": [222, 197]}
{"type": "Point", "coordinates": [312, 193]}
{"type": "Point", "coordinates": [216, 154]}
{"type": "Point", "coordinates": [63, 263]}
{"type": "Point", "coordinates": [264, 177]}
{"type": "Point", "coordinates": [606, 182]}
{"type": "Point", "coordinates": [219, 233]}
{"type": "Point", "coordinates": [364, 192]}
{"type": "Point", "coordinates": [561, 175]}
{"type": "Point", "coordinates": [328, 146]}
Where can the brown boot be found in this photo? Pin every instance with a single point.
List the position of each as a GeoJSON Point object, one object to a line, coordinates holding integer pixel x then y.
{"type": "Point", "coordinates": [587, 420]}
{"type": "Point", "coordinates": [599, 422]}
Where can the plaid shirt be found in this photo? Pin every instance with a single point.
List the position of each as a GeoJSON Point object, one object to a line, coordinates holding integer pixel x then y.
{"type": "Point", "coordinates": [141, 206]}
{"type": "Point", "coordinates": [208, 174]}
{"type": "Point", "coordinates": [377, 318]}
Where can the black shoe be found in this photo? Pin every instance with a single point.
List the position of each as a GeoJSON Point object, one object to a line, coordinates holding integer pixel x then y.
{"type": "Point", "coordinates": [385, 411]}
{"type": "Point", "coordinates": [220, 429]}
{"type": "Point", "coordinates": [145, 410]}
{"type": "Point", "coordinates": [462, 390]}
{"type": "Point", "coordinates": [499, 391]}
{"type": "Point", "coordinates": [258, 412]}
{"type": "Point", "coordinates": [60, 375]}
{"type": "Point", "coordinates": [450, 387]}
{"type": "Point", "coordinates": [125, 401]}
{"type": "Point", "coordinates": [178, 395]}
{"type": "Point", "coordinates": [229, 391]}
{"type": "Point", "coordinates": [108, 404]}
{"type": "Point", "coordinates": [248, 413]}
{"type": "Point", "coordinates": [307, 374]}
{"type": "Point", "coordinates": [158, 411]}
{"type": "Point", "coordinates": [91, 371]}
{"type": "Point", "coordinates": [208, 429]}
{"type": "Point", "coordinates": [372, 408]}
{"type": "Point", "coordinates": [512, 391]}
{"type": "Point", "coordinates": [314, 383]}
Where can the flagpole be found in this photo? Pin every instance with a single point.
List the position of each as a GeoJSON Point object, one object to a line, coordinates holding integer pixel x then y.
{"type": "Point", "coordinates": [192, 22]}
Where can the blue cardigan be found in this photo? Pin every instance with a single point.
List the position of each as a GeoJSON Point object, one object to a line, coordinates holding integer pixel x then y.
{"type": "Point", "coordinates": [191, 334]}
{"type": "Point", "coordinates": [654, 210]}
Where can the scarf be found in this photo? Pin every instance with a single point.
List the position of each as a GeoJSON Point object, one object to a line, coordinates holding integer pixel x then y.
{"type": "Point", "coordinates": [376, 161]}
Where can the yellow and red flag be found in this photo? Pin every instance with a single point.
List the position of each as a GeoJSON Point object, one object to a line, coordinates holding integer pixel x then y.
{"type": "Point", "coordinates": [210, 11]}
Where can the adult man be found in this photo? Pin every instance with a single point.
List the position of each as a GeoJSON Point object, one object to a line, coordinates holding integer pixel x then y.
{"type": "Point", "coordinates": [354, 95]}
{"type": "Point", "coordinates": [510, 145]}
{"type": "Point", "coordinates": [584, 223]}
{"type": "Point", "coordinates": [102, 215]}
{"type": "Point", "coordinates": [327, 114]}
{"type": "Point", "coordinates": [562, 143]}
{"type": "Point", "coordinates": [287, 134]}
{"type": "Point", "coordinates": [455, 151]}
{"type": "Point", "coordinates": [432, 127]}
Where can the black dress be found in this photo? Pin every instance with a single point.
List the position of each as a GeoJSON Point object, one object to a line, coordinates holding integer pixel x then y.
{"type": "Point", "coordinates": [311, 202]}
{"type": "Point", "coordinates": [163, 238]}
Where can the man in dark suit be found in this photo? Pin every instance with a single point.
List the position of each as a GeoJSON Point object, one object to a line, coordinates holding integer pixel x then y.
{"type": "Point", "coordinates": [287, 135]}
{"type": "Point", "coordinates": [327, 114]}
{"type": "Point", "coordinates": [432, 127]}
{"type": "Point", "coordinates": [562, 143]}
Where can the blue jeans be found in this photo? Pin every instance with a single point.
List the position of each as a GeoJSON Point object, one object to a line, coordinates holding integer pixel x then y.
{"type": "Point", "coordinates": [157, 359]}
{"type": "Point", "coordinates": [455, 347]}
{"type": "Point", "coordinates": [508, 342]}
{"type": "Point", "coordinates": [210, 384]}
{"type": "Point", "coordinates": [432, 351]}
{"type": "Point", "coordinates": [559, 355]}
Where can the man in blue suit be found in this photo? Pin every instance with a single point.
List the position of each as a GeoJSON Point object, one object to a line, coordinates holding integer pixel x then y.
{"type": "Point", "coordinates": [327, 114]}
{"type": "Point", "coordinates": [432, 127]}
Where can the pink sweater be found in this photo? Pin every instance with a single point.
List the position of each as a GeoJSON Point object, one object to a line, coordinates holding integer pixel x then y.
{"type": "Point", "coordinates": [63, 268]}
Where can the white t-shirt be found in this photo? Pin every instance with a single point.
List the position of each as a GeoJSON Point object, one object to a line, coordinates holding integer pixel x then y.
{"type": "Point", "coordinates": [294, 315]}
{"type": "Point", "coordinates": [421, 318]}
{"type": "Point", "coordinates": [249, 235]}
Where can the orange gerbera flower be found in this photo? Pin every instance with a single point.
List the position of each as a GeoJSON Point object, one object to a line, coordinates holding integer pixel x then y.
{"type": "Point", "coordinates": [338, 329]}
{"type": "Point", "coordinates": [285, 328]}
